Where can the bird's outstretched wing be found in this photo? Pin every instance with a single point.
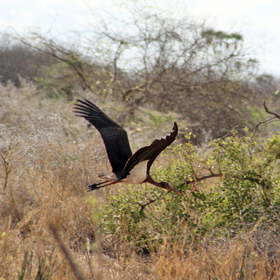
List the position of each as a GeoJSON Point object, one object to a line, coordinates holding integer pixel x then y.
{"type": "Point", "coordinates": [113, 135]}
{"type": "Point", "coordinates": [150, 152]}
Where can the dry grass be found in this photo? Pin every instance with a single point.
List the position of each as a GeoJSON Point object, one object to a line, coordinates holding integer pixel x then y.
{"type": "Point", "coordinates": [50, 228]}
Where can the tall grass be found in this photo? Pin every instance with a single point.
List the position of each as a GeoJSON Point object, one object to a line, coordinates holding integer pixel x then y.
{"type": "Point", "coordinates": [51, 229]}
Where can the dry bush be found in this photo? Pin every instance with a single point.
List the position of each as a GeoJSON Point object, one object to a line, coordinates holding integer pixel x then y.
{"type": "Point", "coordinates": [18, 60]}
{"type": "Point", "coordinates": [48, 156]}
{"type": "Point", "coordinates": [151, 58]}
{"type": "Point", "coordinates": [43, 178]}
{"type": "Point", "coordinates": [227, 260]}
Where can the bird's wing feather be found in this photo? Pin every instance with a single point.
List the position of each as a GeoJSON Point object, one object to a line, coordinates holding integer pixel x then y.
{"type": "Point", "coordinates": [150, 152]}
{"type": "Point", "coordinates": [113, 135]}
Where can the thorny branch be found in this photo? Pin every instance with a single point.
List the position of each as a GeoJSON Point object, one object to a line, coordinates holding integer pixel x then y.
{"type": "Point", "coordinates": [60, 53]}
{"type": "Point", "coordinates": [143, 206]}
{"type": "Point", "coordinates": [275, 115]}
{"type": "Point", "coordinates": [269, 112]}
{"type": "Point", "coordinates": [213, 175]}
{"type": "Point", "coordinates": [258, 181]}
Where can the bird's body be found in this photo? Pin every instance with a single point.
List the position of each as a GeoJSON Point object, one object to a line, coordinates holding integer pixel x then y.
{"type": "Point", "coordinates": [138, 174]}
{"type": "Point", "coordinates": [127, 167]}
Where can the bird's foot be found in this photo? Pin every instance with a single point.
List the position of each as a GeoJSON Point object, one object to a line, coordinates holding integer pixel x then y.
{"type": "Point", "coordinates": [92, 187]}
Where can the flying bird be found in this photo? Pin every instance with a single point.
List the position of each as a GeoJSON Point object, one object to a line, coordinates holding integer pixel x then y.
{"type": "Point", "coordinates": [127, 167]}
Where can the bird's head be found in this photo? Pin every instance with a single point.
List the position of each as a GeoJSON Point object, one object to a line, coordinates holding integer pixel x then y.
{"type": "Point", "coordinates": [166, 186]}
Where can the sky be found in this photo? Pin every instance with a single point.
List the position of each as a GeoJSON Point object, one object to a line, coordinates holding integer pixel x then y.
{"type": "Point", "coordinates": [257, 20]}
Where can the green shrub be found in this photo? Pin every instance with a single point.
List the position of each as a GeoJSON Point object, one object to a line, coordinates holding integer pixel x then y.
{"type": "Point", "coordinates": [228, 186]}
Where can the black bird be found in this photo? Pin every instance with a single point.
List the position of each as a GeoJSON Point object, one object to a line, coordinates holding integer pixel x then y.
{"type": "Point", "coordinates": [127, 168]}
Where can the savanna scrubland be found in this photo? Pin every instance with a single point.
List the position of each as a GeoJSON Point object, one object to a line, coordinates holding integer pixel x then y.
{"type": "Point", "coordinates": [157, 70]}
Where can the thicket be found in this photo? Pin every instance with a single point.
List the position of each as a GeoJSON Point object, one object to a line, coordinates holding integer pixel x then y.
{"type": "Point", "coordinates": [154, 60]}
{"type": "Point", "coordinates": [229, 186]}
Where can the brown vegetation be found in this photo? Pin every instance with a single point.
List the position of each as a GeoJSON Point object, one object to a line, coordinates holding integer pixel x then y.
{"type": "Point", "coordinates": [50, 228]}
{"type": "Point", "coordinates": [153, 60]}
{"type": "Point", "coordinates": [19, 61]}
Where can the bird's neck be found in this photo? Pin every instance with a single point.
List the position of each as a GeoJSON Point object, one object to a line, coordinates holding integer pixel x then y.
{"type": "Point", "coordinates": [150, 180]}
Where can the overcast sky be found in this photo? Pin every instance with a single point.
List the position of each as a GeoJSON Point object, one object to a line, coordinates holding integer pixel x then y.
{"type": "Point", "coordinates": [257, 20]}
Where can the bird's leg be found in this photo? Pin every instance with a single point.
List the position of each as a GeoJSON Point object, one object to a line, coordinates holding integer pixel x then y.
{"type": "Point", "coordinates": [95, 186]}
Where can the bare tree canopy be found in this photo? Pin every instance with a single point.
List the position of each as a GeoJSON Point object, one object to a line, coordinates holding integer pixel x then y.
{"type": "Point", "coordinates": [152, 59]}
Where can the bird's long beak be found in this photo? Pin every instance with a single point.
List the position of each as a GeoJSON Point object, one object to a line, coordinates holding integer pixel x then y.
{"type": "Point", "coordinates": [174, 190]}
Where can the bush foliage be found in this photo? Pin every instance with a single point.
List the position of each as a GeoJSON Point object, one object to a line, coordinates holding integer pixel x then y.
{"type": "Point", "coordinates": [228, 186]}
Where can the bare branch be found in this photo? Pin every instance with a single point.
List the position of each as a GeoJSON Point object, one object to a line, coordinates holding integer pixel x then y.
{"type": "Point", "coordinates": [268, 120]}
{"type": "Point", "coordinates": [269, 112]}
{"type": "Point", "coordinates": [203, 178]}
{"type": "Point", "coordinates": [67, 253]}
{"type": "Point", "coordinates": [143, 206]}
{"type": "Point", "coordinates": [60, 53]}
{"type": "Point", "coordinates": [213, 175]}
